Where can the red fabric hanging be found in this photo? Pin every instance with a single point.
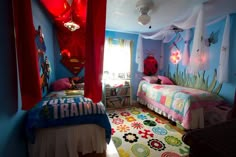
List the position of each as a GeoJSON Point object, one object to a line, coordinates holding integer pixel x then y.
{"type": "Point", "coordinates": [26, 54]}
{"type": "Point", "coordinates": [95, 37]}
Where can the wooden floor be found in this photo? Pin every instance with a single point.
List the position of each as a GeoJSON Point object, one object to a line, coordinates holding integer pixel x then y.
{"type": "Point", "coordinates": [111, 152]}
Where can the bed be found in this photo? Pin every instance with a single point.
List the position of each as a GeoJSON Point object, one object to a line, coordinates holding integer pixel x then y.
{"type": "Point", "coordinates": [183, 105]}
{"type": "Point", "coordinates": [67, 124]}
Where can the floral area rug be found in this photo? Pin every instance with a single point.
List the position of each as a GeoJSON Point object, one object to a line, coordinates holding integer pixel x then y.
{"type": "Point", "coordinates": [138, 132]}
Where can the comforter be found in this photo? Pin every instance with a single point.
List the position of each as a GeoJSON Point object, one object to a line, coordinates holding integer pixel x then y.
{"type": "Point", "coordinates": [176, 101]}
{"type": "Point", "coordinates": [61, 111]}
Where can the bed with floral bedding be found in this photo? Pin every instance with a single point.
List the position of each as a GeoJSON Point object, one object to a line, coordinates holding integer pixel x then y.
{"type": "Point", "coordinates": [183, 105]}
{"type": "Point", "coordinates": [66, 123]}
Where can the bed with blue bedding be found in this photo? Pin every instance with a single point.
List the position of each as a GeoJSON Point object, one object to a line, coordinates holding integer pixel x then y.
{"type": "Point", "coordinates": [69, 111]}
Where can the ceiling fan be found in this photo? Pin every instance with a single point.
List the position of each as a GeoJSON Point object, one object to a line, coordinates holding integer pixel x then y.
{"type": "Point", "coordinates": [144, 7]}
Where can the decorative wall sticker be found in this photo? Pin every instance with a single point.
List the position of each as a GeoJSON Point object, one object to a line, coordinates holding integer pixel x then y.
{"type": "Point", "coordinates": [43, 62]}
{"type": "Point", "coordinates": [175, 56]}
{"type": "Point", "coordinates": [213, 38]}
{"type": "Point", "coordinates": [45, 76]}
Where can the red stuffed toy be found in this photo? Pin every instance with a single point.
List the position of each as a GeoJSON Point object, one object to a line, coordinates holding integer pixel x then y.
{"type": "Point", "coordinates": [150, 66]}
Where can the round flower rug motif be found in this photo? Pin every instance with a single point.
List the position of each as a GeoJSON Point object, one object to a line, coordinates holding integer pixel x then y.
{"type": "Point", "coordinates": [156, 144]}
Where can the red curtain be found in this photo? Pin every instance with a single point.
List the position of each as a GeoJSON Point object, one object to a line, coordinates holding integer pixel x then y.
{"type": "Point", "coordinates": [95, 36]}
{"type": "Point", "coordinates": [26, 54]}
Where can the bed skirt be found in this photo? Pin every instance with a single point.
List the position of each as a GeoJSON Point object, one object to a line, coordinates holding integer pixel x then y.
{"type": "Point", "coordinates": [197, 115]}
{"type": "Point", "coordinates": [69, 141]}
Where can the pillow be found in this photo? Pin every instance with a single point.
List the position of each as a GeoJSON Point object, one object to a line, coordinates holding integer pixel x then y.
{"type": "Point", "coordinates": [156, 79]}
{"type": "Point", "coordinates": [165, 80]}
{"type": "Point", "coordinates": [150, 79]}
{"type": "Point", "coordinates": [61, 84]}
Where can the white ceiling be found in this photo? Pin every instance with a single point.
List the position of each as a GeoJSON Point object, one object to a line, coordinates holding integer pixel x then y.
{"type": "Point", "coordinates": [122, 14]}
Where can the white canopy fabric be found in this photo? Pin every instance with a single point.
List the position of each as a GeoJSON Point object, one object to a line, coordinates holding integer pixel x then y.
{"type": "Point", "coordinates": [199, 55]}
{"type": "Point", "coordinates": [186, 52]}
{"type": "Point", "coordinates": [222, 74]}
{"type": "Point", "coordinates": [196, 19]}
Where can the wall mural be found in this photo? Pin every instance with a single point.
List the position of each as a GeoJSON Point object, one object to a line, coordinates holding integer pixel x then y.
{"type": "Point", "coordinates": [195, 81]}
{"type": "Point", "coordinates": [43, 62]}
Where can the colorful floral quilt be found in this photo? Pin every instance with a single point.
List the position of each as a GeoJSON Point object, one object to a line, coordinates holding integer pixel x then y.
{"type": "Point", "coordinates": [61, 111]}
{"type": "Point", "coordinates": [177, 101]}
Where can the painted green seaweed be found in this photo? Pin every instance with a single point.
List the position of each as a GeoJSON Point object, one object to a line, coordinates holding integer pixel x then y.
{"type": "Point", "coordinates": [197, 81]}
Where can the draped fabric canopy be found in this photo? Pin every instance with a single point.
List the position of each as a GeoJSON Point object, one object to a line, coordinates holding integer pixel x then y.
{"type": "Point", "coordinates": [27, 57]}
{"type": "Point", "coordinates": [222, 75]}
{"type": "Point", "coordinates": [199, 55]}
{"type": "Point", "coordinates": [196, 19]}
{"type": "Point", "coordinates": [95, 38]}
{"type": "Point", "coordinates": [71, 42]}
{"type": "Point", "coordinates": [186, 52]}
{"type": "Point", "coordinates": [166, 35]}
{"type": "Point", "coordinates": [139, 54]}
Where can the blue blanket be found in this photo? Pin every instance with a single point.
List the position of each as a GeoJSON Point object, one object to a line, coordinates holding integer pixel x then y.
{"type": "Point", "coordinates": [61, 111]}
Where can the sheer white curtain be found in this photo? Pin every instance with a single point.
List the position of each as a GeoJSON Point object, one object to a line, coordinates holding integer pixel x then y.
{"type": "Point", "coordinates": [199, 55]}
{"type": "Point", "coordinates": [186, 52]}
{"type": "Point", "coordinates": [222, 75]}
{"type": "Point", "coordinates": [139, 54]}
{"type": "Point", "coordinates": [117, 59]}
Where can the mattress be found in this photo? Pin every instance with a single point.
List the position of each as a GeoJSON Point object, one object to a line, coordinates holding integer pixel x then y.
{"type": "Point", "coordinates": [68, 141]}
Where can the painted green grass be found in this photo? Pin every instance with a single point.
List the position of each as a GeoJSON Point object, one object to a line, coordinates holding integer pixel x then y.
{"type": "Point", "coordinates": [197, 81]}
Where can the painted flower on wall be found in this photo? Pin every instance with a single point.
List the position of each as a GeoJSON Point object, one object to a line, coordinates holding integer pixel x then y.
{"type": "Point", "coordinates": [175, 56]}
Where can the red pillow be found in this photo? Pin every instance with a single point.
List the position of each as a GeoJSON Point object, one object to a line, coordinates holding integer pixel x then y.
{"type": "Point", "coordinates": [61, 84]}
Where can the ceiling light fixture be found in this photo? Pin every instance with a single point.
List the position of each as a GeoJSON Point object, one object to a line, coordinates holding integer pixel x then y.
{"type": "Point", "coordinates": [71, 26]}
{"type": "Point", "coordinates": [144, 7]}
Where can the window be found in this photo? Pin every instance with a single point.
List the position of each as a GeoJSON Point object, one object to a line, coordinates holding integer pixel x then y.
{"type": "Point", "coordinates": [117, 59]}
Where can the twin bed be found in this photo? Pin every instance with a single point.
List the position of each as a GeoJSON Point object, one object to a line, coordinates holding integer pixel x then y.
{"type": "Point", "coordinates": [183, 105]}
{"type": "Point", "coordinates": [66, 124]}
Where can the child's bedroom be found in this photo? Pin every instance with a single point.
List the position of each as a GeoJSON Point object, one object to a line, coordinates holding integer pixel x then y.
{"type": "Point", "coordinates": [109, 78]}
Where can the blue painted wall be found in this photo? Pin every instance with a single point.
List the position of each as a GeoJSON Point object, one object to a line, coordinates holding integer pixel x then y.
{"type": "Point", "coordinates": [12, 139]}
{"type": "Point", "coordinates": [228, 88]}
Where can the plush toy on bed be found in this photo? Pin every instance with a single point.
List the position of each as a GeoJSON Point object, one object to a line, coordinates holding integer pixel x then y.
{"type": "Point", "coordinates": [67, 83]}
{"type": "Point", "coordinates": [159, 81]}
